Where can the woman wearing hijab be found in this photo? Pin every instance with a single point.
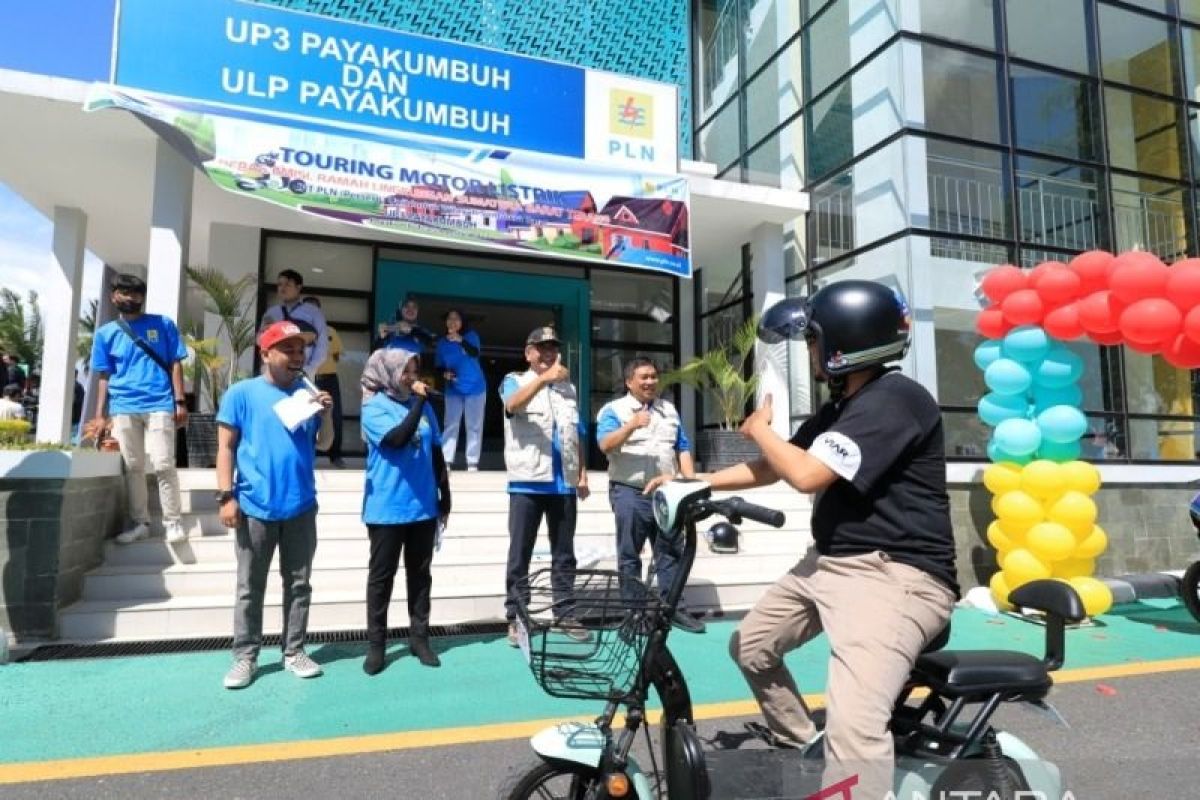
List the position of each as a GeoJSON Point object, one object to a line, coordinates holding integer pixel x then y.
{"type": "Point", "coordinates": [407, 493]}
{"type": "Point", "coordinates": [466, 390]}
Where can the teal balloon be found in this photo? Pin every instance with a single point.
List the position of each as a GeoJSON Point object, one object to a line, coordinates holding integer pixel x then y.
{"type": "Point", "coordinates": [999, 454]}
{"type": "Point", "coordinates": [1046, 396]}
{"type": "Point", "coordinates": [1062, 424]}
{"type": "Point", "coordinates": [1027, 343]}
{"type": "Point", "coordinates": [1006, 376]}
{"type": "Point", "coordinates": [1020, 437]}
{"type": "Point", "coordinates": [986, 353]}
{"type": "Point", "coordinates": [1059, 452]}
{"type": "Point", "coordinates": [994, 407]}
{"type": "Point", "coordinates": [1061, 367]}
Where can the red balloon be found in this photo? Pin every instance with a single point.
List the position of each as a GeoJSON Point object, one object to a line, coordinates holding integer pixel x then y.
{"type": "Point", "coordinates": [1183, 284]}
{"type": "Point", "coordinates": [1152, 321]}
{"type": "Point", "coordinates": [1063, 322]}
{"type": "Point", "coordinates": [1183, 353]}
{"type": "Point", "coordinates": [1146, 348]}
{"type": "Point", "coordinates": [1110, 338]}
{"type": "Point", "coordinates": [1023, 307]}
{"type": "Point", "coordinates": [1097, 313]}
{"type": "Point", "coordinates": [1191, 324]}
{"type": "Point", "coordinates": [1055, 284]}
{"type": "Point", "coordinates": [1092, 268]}
{"type": "Point", "coordinates": [1002, 281]}
{"type": "Point", "coordinates": [990, 323]}
{"type": "Point", "coordinates": [1137, 275]}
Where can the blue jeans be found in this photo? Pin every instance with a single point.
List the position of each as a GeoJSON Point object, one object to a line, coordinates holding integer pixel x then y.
{"type": "Point", "coordinates": [635, 524]}
{"type": "Point", "coordinates": [457, 407]}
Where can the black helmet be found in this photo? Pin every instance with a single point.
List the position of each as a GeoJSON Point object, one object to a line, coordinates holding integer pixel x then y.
{"type": "Point", "coordinates": [857, 324]}
{"type": "Point", "coordinates": [722, 538]}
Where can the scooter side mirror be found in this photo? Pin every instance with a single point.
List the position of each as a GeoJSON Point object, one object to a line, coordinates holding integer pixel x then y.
{"type": "Point", "coordinates": [722, 538]}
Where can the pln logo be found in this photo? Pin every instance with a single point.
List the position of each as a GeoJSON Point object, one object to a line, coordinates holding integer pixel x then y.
{"type": "Point", "coordinates": [631, 113]}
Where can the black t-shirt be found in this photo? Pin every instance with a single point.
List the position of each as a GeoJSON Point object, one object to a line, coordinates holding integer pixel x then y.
{"type": "Point", "coordinates": [885, 443]}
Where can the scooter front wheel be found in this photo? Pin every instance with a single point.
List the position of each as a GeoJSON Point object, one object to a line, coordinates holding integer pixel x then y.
{"type": "Point", "coordinates": [550, 780]}
{"type": "Point", "coordinates": [1189, 589]}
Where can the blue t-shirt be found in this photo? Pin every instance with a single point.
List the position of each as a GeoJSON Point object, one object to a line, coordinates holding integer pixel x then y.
{"type": "Point", "coordinates": [273, 466]}
{"type": "Point", "coordinates": [557, 486]}
{"type": "Point", "coordinates": [401, 486]}
{"type": "Point", "coordinates": [468, 375]}
{"type": "Point", "coordinates": [607, 422]}
{"type": "Point", "coordinates": [137, 385]}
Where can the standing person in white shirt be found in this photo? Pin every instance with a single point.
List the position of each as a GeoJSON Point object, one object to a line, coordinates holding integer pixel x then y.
{"type": "Point", "coordinates": [308, 317]}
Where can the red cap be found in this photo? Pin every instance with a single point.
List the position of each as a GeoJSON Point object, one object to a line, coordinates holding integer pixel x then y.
{"type": "Point", "coordinates": [277, 332]}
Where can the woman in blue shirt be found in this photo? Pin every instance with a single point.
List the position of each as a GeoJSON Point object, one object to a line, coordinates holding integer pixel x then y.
{"type": "Point", "coordinates": [466, 390]}
{"type": "Point", "coordinates": [407, 494]}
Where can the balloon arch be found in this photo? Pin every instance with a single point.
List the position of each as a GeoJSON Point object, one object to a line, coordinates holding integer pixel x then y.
{"type": "Point", "coordinates": [1045, 524]}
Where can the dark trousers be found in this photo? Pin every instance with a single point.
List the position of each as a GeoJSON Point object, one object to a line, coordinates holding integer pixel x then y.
{"type": "Point", "coordinates": [416, 540]}
{"type": "Point", "coordinates": [635, 524]}
{"type": "Point", "coordinates": [255, 544]}
{"type": "Point", "coordinates": [329, 383]}
{"type": "Point", "coordinates": [525, 512]}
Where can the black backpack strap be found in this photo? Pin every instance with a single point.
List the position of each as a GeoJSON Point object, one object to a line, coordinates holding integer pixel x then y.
{"type": "Point", "coordinates": [144, 345]}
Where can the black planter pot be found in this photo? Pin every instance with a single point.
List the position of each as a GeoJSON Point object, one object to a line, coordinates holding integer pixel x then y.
{"type": "Point", "coordinates": [717, 449]}
{"type": "Point", "coordinates": [202, 441]}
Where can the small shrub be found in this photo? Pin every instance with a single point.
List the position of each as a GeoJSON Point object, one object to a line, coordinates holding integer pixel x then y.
{"type": "Point", "coordinates": [14, 432]}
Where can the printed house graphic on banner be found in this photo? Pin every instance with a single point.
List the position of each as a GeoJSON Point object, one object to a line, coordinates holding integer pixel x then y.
{"type": "Point", "coordinates": [644, 223]}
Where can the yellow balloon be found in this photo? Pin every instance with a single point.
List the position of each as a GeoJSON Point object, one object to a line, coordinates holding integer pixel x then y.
{"type": "Point", "coordinates": [1018, 511]}
{"type": "Point", "coordinates": [1080, 476]}
{"type": "Point", "coordinates": [1091, 545]}
{"type": "Point", "coordinates": [1050, 541]}
{"type": "Point", "coordinates": [1074, 567]}
{"type": "Point", "coordinates": [1075, 510]}
{"type": "Point", "coordinates": [1002, 477]}
{"type": "Point", "coordinates": [1096, 596]}
{"type": "Point", "coordinates": [1043, 479]}
{"type": "Point", "coordinates": [1000, 540]}
{"type": "Point", "coordinates": [1000, 591]}
{"type": "Point", "coordinates": [1021, 566]}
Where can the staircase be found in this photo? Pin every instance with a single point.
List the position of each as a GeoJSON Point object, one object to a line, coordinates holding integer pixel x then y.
{"type": "Point", "coordinates": [153, 591]}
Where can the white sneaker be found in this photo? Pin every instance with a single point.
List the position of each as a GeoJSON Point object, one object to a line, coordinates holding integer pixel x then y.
{"type": "Point", "coordinates": [241, 674]}
{"type": "Point", "coordinates": [175, 532]}
{"type": "Point", "coordinates": [135, 534]}
{"type": "Point", "coordinates": [300, 665]}
{"type": "Point", "coordinates": [473, 468]}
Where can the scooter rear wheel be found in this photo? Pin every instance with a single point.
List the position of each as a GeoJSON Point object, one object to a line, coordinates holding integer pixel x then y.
{"type": "Point", "coordinates": [547, 780]}
{"type": "Point", "coordinates": [1189, 589]}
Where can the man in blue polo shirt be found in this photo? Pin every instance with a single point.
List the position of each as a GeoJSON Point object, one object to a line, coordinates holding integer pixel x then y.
{"type": "Point", "coordinates": [273, 501]}
{"type": "Point", "coordinates": [138, 358]}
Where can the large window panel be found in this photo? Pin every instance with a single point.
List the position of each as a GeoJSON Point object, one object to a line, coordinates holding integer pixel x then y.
{"type": "Point", "coordinates": [629, 292]}
{"type": "Point", "coordinates": [962, 94]}
{"type": "Point", "coordinates": [1058, 38]}
{"type": "Point", "coordinates": [968, 190]}
{"type": "Point", "coordinates": [1061, 205]}
{"type": "Point", "coordinates": [1191, 63]}
{"type": "Point", "coordinates": [779, 161]}
{"type": "Point", "coordinates": [859, 205]}
{"type": "Point", "coordinates": [1145, 134]}
{"type": "Point", "coordinates": [1189, 10]}
{"type": "Point", "coordinates": [843, 36]}
{"type": "Point", "coordinates": [1137, 50]}
{"type": "Point", "coordinates": [766, 25]}
{"type": "Point", "coordinates": [970, 21]}
{"type": "Point", "coordinates": [1149, 215]}
{"type": "Point", "coordinates": [1056, 115]}
{"type": "Point", "coordinates": [327, 265]}
{"type": "Point", "coordinates": [719, 141]}
{"type": "Point", "coordinates": [716, 53]}
{"type": "Point", "coordinates": [774, 95]}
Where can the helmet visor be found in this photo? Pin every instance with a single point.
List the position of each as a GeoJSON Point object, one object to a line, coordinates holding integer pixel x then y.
{"type": "Point", "coordinates": [787, 319]}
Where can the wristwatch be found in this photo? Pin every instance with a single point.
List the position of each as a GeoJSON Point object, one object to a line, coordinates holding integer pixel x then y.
{"type": "Point", "coordinates": [181, 402]}
{"type": "Point", "coordinates": [223, 496]}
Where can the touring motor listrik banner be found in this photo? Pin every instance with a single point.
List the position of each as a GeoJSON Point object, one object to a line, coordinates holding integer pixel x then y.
{"type": "Point", "coordinates": [497, 199]}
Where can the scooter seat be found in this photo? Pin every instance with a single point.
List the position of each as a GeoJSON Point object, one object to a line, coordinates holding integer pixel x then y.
{"type": "Point", "coordinates": [969, 673]}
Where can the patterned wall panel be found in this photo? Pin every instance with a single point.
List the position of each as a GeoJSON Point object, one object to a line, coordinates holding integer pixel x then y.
{"type": "Point", "coordinates": [645, 38]}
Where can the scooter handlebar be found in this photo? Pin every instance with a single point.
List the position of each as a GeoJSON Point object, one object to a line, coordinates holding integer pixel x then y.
{"type": "Point", "coordinates": [767, 516]}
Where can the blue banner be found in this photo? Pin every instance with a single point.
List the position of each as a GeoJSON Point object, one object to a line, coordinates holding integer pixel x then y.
{"type": "Point", "coordinates": [300, 65]}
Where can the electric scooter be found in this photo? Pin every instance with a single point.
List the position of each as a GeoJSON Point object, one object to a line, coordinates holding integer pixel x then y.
{"type": "Point", "coordinates": [944, 742]}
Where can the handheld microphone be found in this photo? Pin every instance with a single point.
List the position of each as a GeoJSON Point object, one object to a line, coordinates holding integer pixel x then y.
{"type": "Point", "coordinates": [431, 392]}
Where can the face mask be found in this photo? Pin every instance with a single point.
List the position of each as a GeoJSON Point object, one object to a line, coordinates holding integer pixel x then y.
{"type": "Point", "coordinates": [129, 306]}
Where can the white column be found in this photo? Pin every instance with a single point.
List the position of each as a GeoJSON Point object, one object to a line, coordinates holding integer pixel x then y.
{"type": "Point", "coordinates": [770, 362]}
{"type": "Point", "coordinates": [60, 298]}
{"type": "Point", "coordinates": [686, 313]}
{"type": "Point", "coordinates": [170, 227]}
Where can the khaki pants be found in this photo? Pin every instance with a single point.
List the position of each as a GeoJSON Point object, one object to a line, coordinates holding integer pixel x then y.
{"type": "Point", "coordinates": [153, 435]}
{"type": "Point", "coordinates": [878, 615]}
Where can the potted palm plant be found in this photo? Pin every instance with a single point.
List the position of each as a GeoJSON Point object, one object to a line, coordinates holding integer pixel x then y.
{"type": "Point", "coordinates": [720, 377]}
{"type": "Point", "coordinates": [216, 359]}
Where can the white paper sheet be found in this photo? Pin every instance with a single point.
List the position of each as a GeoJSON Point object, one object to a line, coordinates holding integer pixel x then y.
{"type": "Point", "coordinates": [294, 411]}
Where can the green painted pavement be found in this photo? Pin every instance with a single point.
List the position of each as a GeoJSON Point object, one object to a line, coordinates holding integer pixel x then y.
{"type": "Point", "coordinates": [83, 708]}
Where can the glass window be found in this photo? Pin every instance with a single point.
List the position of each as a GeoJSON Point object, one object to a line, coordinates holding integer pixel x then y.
{"type": "Point", "coordinates": [1191, 62]}
{"type": "Point", "coordinates": [721, 284]}
{"type": "Point", "coordinates": [859, 206]}
{"type": "Point", "coordinates": [716, 53]}
{"type": "Point", "coordinates": [328, 265]}
{"type": "Point", "coordinates": [719, 141]}
{"type": "Point", "coordinates": [774, 95]}
{"type": "Point", "coordinates": [1060, 205]}
{"type": "Point", "coordinates": [1144, 133]}
{"type": "Point", "coordinates": [830, 134]}
{"type": "Point", "coordinates": [356, 347]}
{"type": "Point", "coordinates": [965, 434]}
{"type": "Point", "coordinates": [1149, 215]}
{"type": "Point", "coordinates": [845, 34]}
{"type": "Point", "coordinates": [1137, 50]}
{"type": "Point", "coordinates": [1152, 5]}
{"type": "Point", "coordinates": [766, 26]}
{"type": "Point", "coordinates": [1059, 39]}
{"type": "Point", "coordinates": [962, 94]}
{"type": "Point", "coordinates": [1189, 9]}
{"type": "Point", "coordinates": [779, 161]}
{"type": "Point", "coordinates": [970, 21]}
{"type": "Point", "coordinates": [1055, 114]}
{"type": "Point", "coordinates": [1105, 439]}
{"type": "Point", "coordinates": [968, 190]}
{"type": "Point", "coordinates": [648, 333]}
{"type": "Point", "coordinates": [629, 292]}
{"type": "Point", "coordinates": [1155, 387]}
{"type": "Point", "coordinates": [1163, 439]}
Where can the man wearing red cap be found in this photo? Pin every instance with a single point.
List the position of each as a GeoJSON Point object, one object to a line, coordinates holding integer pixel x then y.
{"type": "Point", "coordinates": [267, 493]}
